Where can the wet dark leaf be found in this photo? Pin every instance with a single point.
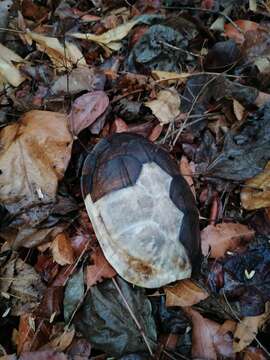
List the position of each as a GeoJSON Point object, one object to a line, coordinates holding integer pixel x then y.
{"type": "Point", "coordinates": [105, 321]}
{"type": "Point", "coordinates": [74, 293]}
{"type": "Point", "coordinates": [223, 55]}
{"type": "Point", "coordinates": [245, 153]}
{"type": "Point", "coordinates": [155, 50]}
{"type": "Point", "coordinates": [246, 278]}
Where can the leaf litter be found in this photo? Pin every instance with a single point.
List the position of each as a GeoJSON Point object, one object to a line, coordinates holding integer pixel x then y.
{"type": "Point", "coordinates": [192, 77]}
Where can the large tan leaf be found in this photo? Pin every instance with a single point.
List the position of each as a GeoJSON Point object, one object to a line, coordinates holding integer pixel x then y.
{"type": "Point", "coordinates": [35, 152]}
{"type": "Point", "coordinates": [166, 106]}
{"type": "Point", "coordinates": [62, 56]}
{"type": "Point", "coordinates": [210, 340]}
{"type": "Point", "coordinates": [247, 329]}
{"type": "Point", "coordinates": [223, 237]}
{"type": "Point", "coordinates": [8, 71]}
{"type": "Point", "coordinates": [184, 293]}
{"type": "Point", "coordinates": [111, 38]}
{"type": "Point", "coordinates": [256, 193]}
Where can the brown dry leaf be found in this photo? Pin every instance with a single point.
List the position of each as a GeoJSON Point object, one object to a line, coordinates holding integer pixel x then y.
{"type": "Point", "coordinates": [25, 333]}
{"type": "Point", "coordinates": [111, 38]}
{"type": "Point", "coordinates": [245, 25]}
{"type": "Point", "coordinates": [166, 107]}
{"type": "Point", "coordinates": [253, 353]}
{"type": "Point", "coordinates": [9, 74]}
{"type": "Point", "coordinates": [247, 329]}
{"type": "Point", "coordinates": [256, 193]}
{"type": "Point", "coordinates": [119, 125]}
{"type": "Point", "coordinates": [35, 152]}
{"type": "Point", "coordinates": [187, 173]}
{"type": "Point", "coordinates": [63, 57]}
{"type": "Point", "coordinates": [155, 133]}
{"type": "Point", "coordinates": [62, 250]}
{"type": "Point", "coordinates": [224, 237]}
{"type": "Point", "coordinates": [86, 109]}
{"type": "Point", "coordinates": [184, 293]}
{"type": "Point", "coordinates": [62, 341]}
{"type": "Point", "coordinates": [23, 284]}
{"type": "Point", "coordinates": [100, 270]}
{"type": "Point", "coordinates": [210, 340]}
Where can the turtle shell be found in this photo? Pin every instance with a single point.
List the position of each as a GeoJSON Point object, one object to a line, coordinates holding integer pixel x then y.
{"type": "Point", "coordinates": [142, 210]}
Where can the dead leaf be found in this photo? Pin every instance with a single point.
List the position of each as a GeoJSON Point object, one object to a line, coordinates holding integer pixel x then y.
{"type": "Point", "coordinates": [100, 270]}
{"type": "Point", "coordinates": [86, 109]}
{"type": "Point", "coordinates": [9, 74]}
{"type": "Point", "coordinates": [245, 25]}
{"type": "Point", "coordinates": [248, 328]}
{"type": "Point", "coordinates": [35, 152]}
{"type": "Point", "coordinates": [224, 237]}
{"type": "Point", "coordinates": [63, 57]}
{"type": "Point", "coordinates": [79, 79]}
{"type": "Point", "coordinates": [184, 293]}
{"type": "Point", "coordinates": [253, 353]}
{"type": "Point", "coordinates": [187, 173]}
{"type": "Point", "coordinates": [210, 340]}
{"type": "Point", "coordinates": [119, 125]}
{"type": "Point", "coordinates": [111, 38]}
{"type": "Point", "coordinates": [24, 285]}
{"type": "Point", "coordinates": [62, 250]}
{"type": "Point", "coordinates": [239, 110]}
{"type": "Point", "coordinates": [62, 341]}
{"type": "Point", "coordinates": [256, 193]}
{"type": "Point", "coordinates": [156, 132]}
{"type": "Point", "coordinates": [166, 107]}
{"type": "Point", "coordinates": [25, 334]}
{"type": "Point", "coordinates": [43, 355]}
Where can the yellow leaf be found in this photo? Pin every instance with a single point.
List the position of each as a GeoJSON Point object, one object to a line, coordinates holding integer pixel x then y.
{"type": "Point", "coordinates": [110, 38]}
{"type": "Point", "coordinates": [166, 107]}
{"type": "Point", "coordinates": [184, 293]}
{"type": "Point", "coordinates": [8, 71]}
{"type": "Point", "coordinates": [62, 56]}
{"type": "Point", "coordinates": [256, 193]}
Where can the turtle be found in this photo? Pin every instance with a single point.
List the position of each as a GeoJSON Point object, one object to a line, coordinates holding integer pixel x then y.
{"type": "Point", "coordinates": [142, 210]}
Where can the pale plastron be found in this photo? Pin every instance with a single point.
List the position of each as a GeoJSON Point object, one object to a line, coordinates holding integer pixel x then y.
{"type": "Point", "coordinates": [138, 230]}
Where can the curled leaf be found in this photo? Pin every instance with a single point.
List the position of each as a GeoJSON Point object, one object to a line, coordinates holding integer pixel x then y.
{"type": "Point", "coordinates": [86, 109]}
{"type": "Point", "coordinates": [223, 237]}
{"type": "Point", "coordinates": [184, 293]}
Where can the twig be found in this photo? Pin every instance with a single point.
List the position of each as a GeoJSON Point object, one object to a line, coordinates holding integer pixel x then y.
{"type": "Point", "coordinates": [133, 316]}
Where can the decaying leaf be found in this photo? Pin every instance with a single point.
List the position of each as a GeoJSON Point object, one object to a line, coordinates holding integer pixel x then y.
{"type": "Point", "coordinates": [74, 293]}
{"type": "Point", "coordinates": [256, 192]}
{"type": "Point", "coordinates": [107, 324]}
{"type": "Point", "coordinates": [166, 107]}
{"type": "Point", "coordinates": [245, 25]}
{"type": "Point", "coordinates": [35, 152]}
{"type": "Point", "coordinates": [100, 270]}
{"type": "Point", "coordinates": [210, 340]}
{"type": "Point", "coordinates": [24, 285]}
{"type": "Point", "coordinates": [8, 71]}
{"type": "Point", "coordinates": [64, 57]}
{"type": "Point", "coordinates": [86, 109]}
{"type": "Point", "coordinates": [223, 237]}
{"type": "Point", "coordinates": [79, 79]}
{"type": "Point", "coordinates": [61, 341]}
{"type": "Point", "coordinates": [184, 293]}
{"type": "Point", "coordinates": [62, 250]}
{"type": "Point", "coordinates": [239, 110]}
{"type": "Point", "coordinates": [247, 329]}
